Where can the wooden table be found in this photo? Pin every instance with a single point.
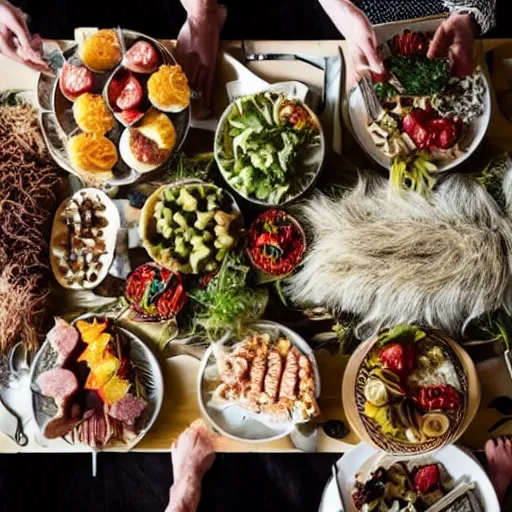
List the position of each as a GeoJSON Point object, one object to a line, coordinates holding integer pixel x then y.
{"type": "Point", "coordinates": [180, 406]}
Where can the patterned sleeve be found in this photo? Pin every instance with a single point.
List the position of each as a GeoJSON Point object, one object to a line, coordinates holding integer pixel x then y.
{"type": "Point", "coordinates": [484, 11]}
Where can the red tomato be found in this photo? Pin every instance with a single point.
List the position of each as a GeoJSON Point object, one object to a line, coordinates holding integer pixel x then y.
{"type": "Point", "coordinates": [426, 479]}
{"type": "Point", "coordinates": [399, 359]}
{"type": "Point", "coordinates": [131, 95]}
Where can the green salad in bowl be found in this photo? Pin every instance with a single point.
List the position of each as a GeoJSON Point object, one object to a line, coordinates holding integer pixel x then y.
{"type": "Point", "coordinates": [269, 148]}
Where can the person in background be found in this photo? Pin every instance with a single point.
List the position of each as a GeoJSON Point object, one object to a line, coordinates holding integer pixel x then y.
{"type": "Point", "coordinates": [198, 39]}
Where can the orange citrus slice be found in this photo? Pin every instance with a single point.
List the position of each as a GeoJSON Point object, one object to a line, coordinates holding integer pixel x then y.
{"type": "Point", "coordinates": [115, 389]}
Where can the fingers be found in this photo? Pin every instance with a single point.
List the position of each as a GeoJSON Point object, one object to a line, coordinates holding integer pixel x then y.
{"type": "Point", "coordinates": [7, 48]}
{"type": "Point", "coordinates": [19, 28]}
{"type": "Point", "coordinates": [440, 43]}
{"type": "Point", "coordinates": [462, 61]}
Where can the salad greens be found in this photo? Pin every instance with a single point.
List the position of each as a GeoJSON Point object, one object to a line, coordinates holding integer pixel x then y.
{"type": "Point", "coordinates": [227, 302]}
{"type": "Point", "coordinates": [420, 77]}
{"type": "Point", "coordinates": [261, 144]}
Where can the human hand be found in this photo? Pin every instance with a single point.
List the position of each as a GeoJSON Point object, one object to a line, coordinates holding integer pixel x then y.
{"type": "Point", "coordinates": [16, 42]}
{"type": "Point", "coordinates": [196, 51]}
{"type": "Point", "coordinates": [193, 452]}
{"type": "Point", "coordinates": [454, 39]}
{"type": "Point", "coordinates": [360, 37]}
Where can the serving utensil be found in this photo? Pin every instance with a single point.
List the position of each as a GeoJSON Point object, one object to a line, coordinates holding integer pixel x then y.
{"type": "Point", "coordinates": [334, 471]}
{"type": "Point", "coordinates": [11, 424]}
{"type": "Point", "coordinates": [330, 106]}
{"type": "Point", "coordinates": [371, 101]}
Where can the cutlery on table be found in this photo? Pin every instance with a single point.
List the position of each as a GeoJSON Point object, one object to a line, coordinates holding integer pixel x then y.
{"type": "Point", "coordinates": [334, 471]}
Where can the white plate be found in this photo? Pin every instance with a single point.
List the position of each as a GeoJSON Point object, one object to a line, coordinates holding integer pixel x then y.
{"type": "Point", "coordinates": [240, 424]}
{"type": "Point", "coordinates": [456, 461]}
{"type": "Point", "coordinates": [359, 117]}
{"type": "Point", "coordinates": [43, 408]}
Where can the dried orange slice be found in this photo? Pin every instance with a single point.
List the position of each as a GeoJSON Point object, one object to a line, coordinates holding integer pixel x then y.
{"type": "Point", "coordinates": [168, 89]}
{"type": "Point", "coordinates": [102, 372]}
{"type": "Point", "coordinates": [92, 114]}
{"type": "Point", "coordinates": [90, 153]}
{"type": "Point", "coordinates": [115, 389]}
{"type": "Point", "coordinates": [101, 51]}
{"type": "Point", "coordinates": [94, 353]}
{"type": "Point", "coordinates": [90, 331]}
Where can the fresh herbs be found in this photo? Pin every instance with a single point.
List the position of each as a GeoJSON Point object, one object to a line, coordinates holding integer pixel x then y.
{"type": "Point", "coordinates": [385, 90]}
{"type": "Point", "coordinates": [227, 302]}
{"type": "Point", "coordinates": [420, 77]}
{"type": "Point", "coordinates": [491, 178]}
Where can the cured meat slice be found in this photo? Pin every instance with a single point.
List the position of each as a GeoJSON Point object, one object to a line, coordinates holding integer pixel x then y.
{"type": "Point", "coordinates": [58, 384]}
{"type": "Point", "coordinates": [128, 409]}
{"type": "Point", "coordinates": [131, 94]}
{"type": "Point", "coordinates": [142, 57]}
{"type": "Point", "coordinates": [63, 337]}
{"type": "Point", "coordinates": [257, 376]}
{"type": "Point", "coordinates": [75, 80]}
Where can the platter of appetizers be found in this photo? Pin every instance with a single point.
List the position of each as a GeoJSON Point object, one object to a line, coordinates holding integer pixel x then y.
{"type": "Point", "coordinates": [369, 480]}
{"type": "Point", "coordinates": [410, 391]}
{"type": "Point", "coordinates": [259, 387]}
{"type": "Point", "coordinates": [118, 108]}
{"type": "Point", "coordinates": [428, 114]}
{"type": "Point", "coordinates": [83, 239]}
{"type": "Point", "coordinates": [95, 384]}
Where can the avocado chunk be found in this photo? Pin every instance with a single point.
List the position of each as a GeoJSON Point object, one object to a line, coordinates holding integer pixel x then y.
{"type": "Point", "coordinates": [203, 218]}
{"type": "Point", "coordinates": [199, 253]}
{"type": "Point", "coordinates": [180, 247]}
{"type": "Point", "coordinates": [167, 214]}
{"type": "Point", "coordinates": [187, 201]}
{"type": "Point", "coordinates": [180, 219]}
{"type": "Point", "coordinates": [169, 194]}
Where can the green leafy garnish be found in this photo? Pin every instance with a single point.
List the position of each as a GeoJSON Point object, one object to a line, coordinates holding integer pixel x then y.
{"type": "Point", "coordinates": [385, 90]}
{"type": "Point", "coordinates": [422, 76]}
{"type": "Point", "coordinates": [402, 332]}
{"type": "Point", "coordinates": [227, 303]}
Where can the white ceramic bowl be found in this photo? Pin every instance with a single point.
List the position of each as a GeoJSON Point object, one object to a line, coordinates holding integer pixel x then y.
{"type": "Point", "coordinates": [240, 424]}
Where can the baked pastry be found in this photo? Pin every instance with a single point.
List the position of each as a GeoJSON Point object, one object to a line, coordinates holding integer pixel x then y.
{"type": "Point", "coordinates": [92, 114]}
{"type": "Point", "coordinates": [150, 144]}
{"type": "Point", "coordinates": [168, 89]}
{"type": "Point", "coordinates": [101, 50]}
{"type": "Point", "coordinates": [91, 153]}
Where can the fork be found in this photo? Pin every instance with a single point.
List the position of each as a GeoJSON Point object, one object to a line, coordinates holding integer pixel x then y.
{"type": "Point", "coordinates": [371, 101]}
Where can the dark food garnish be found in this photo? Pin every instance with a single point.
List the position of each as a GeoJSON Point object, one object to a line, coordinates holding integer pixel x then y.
{"type": "Point", "coordinates": [335, 429]}
{"type": "Point", "coordinates": [370, 491]}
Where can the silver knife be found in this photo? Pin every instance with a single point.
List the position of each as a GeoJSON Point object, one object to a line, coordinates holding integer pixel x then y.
{"type": "Point", "coordinates": [334, 470]}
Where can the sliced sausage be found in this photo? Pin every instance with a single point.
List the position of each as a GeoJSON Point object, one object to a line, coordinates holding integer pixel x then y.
{"type": "Point", "coordinates": [142, 57]}
{"type": "Point", "coordinates": [131, 94]}
{"type": "Point", "coordinates": [75, 80]}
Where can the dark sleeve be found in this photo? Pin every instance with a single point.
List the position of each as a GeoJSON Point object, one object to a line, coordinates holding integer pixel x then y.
{"type": "Point", "coordinates": [483, 11]}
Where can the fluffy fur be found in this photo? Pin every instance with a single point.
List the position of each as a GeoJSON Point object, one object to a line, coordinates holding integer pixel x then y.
{"type": "Point", "coordinates": [393, 259]}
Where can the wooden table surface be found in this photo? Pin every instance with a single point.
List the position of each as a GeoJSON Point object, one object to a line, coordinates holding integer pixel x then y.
{"type": "Point", "coordinates": [180, 406]}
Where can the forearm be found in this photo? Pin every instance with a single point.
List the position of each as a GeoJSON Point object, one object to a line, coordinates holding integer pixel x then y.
{"type": "Point", "coordinates": [483, 11]}
{"type": "Point", "coordinates": [185, 494]}
{"type": "Point", "coordinates": [200, 8]}
{"type": "Point", "coordinates": [336, 9]}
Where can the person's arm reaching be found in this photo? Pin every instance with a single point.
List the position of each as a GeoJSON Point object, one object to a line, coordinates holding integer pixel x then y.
{"type": "Point", "coordinates": [359, 34]}
{"type": "Point", "coordinates": [192, 456]}
{"type": "Point", "coordinates": [198, 44]}
{"type": "Point", "coordinates": [468, 18]}
{"type": "Point", "coordinates": [16, 42]}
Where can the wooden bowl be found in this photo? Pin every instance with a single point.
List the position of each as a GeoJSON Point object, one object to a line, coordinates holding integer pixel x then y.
{"type": "Point", "coordinates": [353, 399]}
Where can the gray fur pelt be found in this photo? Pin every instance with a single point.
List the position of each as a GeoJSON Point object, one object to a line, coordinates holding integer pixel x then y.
{"type": "Point", "coordinates": [392, 258]}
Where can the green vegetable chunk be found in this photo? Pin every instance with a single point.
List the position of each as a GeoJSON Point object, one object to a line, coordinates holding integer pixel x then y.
{"type": "Point", "coordinates": [180, 219]}
{"type": "Point", "coordinates": [203, 218]}
{"type": "Point", "coordinates": [186, 200]}
{"type": "Point", "coordinates": [198, 254]}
